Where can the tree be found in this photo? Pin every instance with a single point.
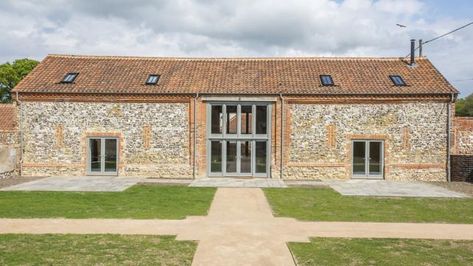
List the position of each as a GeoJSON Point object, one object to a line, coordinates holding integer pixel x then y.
{"type": "Point", "coordinates": [464, 107]}
{"type": "Point", "coordinates": [11, 74]}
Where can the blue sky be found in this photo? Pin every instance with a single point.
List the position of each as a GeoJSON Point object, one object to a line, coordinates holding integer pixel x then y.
{"type": "Point", "coordinates": [215, 28]}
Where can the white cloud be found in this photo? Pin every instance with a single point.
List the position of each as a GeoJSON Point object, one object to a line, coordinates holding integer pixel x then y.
{"type": "Point", "coordinates": [232, 28]}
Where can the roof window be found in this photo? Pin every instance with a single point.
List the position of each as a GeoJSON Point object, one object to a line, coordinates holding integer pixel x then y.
{"type": "Point", "coordinates": [326, 80]}
{"type": "Point", "coordinates": [397, 80]}
{"type": "Point", "coordinates": [69, 77]}
{"type": "Point", "coordinates": [152, 79]}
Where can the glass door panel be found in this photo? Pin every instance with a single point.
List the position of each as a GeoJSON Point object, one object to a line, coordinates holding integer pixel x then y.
{"type": "Point", "coordinates": [231, 157]}
{"type": "Point", "coordinates": [260, 157]}
{"type": "Point", "coordinates": [261, 117]}
{"type": "Point", "coordinates": [216, 157]}
{"type": "Point", "coordinates": [216, 119]}
{"type": "Point", "coordinates": [359, 158]}
{"type": "Point", "coordinates": [246, 119]}
{"type": "Point", "coordinates": [245, 157]}
{"type": "Point", "coordinates": [375, 159]}
{"type": "Point", "coordinates": [95, 155]}
{"type": "Point", "coordinates": [110, 155]}
{"type": "Point", "coordinates": [232, 121]}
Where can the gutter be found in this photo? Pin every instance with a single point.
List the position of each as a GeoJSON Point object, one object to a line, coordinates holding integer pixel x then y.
{"type": "Point", "coordinates": [195, 136]}
{"type": "Point", "coordinates": [20, 124]}
{"type": "Point", "coordinates": [449, 121]}
{"type": "Point", "coordinates": [282, 138]}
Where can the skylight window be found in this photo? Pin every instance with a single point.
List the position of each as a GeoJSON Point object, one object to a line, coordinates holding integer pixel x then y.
{"type": "Point", "coordinates": [152, 79]}
{"type": "Point", "coordinates": [69, 77]}
{"type": "Point", "coordinates": [397, 80]}
{"type": "Point", "coordinates": [326, 80]}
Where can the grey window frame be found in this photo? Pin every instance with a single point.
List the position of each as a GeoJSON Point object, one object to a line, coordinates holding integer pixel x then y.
{"type": "Point", "coordinates": [253, 138]}
{"type": "Point", "coordinates": [367, 158]}
{"type": "Point", "coordinates": [102, 159]}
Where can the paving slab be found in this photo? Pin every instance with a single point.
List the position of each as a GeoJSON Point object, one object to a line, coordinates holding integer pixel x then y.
{"type": "Point", "coordinates": [238, 182]}
{"type": "Point", "coordinates": [77, 183]}
{"type": "Point", "coordinates": [384, 188]}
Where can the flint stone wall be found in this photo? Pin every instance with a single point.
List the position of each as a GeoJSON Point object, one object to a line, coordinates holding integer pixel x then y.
{"type": "Point", "coordinates": [55, 137]}
{"type": "Point", "coordinates": [414, 134]}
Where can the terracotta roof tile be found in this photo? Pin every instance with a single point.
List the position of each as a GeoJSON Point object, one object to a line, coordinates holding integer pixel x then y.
{"type": "Point", "coordinates": [102, 74]}
{"type": "Point", "coordinates": [8, 119]}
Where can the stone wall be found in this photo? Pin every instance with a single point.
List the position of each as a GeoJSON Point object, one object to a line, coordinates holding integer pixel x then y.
{"type": "Point", "coordinates": [462, 149]}
{"type": "Point", "coordinates": [153, 137]}
{"type": "Point", "coordinates": [8, 153]}
{"type": "Point", "coordinates": [320, 139]}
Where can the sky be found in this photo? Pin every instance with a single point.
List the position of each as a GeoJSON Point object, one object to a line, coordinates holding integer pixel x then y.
{"type": "Point", "coordinates": [236, 28]}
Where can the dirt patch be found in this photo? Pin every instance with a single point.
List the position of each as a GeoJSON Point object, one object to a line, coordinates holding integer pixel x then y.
{"type": "Point", "coordinates": [11, 181]}
{"type": "Point", "coordinates": [462, 187]}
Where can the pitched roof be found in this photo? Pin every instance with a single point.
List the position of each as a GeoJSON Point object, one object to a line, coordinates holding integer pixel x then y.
{"type": "Point", "coordinates": [106, 74]}
{"type": "Point", "coordinates": [8, 119]}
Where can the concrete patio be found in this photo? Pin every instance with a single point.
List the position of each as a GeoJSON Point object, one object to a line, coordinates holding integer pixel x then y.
{"type": "Point", "coordinates": [77, 183]}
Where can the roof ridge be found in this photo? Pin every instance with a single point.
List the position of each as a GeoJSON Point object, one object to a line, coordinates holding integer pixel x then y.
{"type": "Point", "coordinates": [278, 58]}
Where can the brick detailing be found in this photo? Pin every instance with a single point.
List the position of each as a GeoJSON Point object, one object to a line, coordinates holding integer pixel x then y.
{"type": "Point", "coordinates": [405, 138]}
{"type": "Point", "coordinates": [147, 136]}
{"type": "Point", "coordinates": [59, 136]}
{"type": "Point", "coordinates": [331, 141]}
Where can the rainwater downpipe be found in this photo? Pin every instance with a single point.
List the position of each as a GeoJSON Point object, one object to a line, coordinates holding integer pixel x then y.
{"type": "Point", "coordinates": [21, 132]}
{"type": "Point", "coordinates": [195, 136]}
{"type": "Point", "coordinates": [449, 121]}
{"type": "Point", "coordinates": [282, 138]}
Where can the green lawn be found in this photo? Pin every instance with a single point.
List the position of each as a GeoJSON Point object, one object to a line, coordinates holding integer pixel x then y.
{"type": "Point", "coordinates": [139, 202]}
{"type": "Point", "coordinates": [344, 251]}
{"type": "Point", "coordinates": [324, 204]}
{"type": "Point", "coordinates": [94, 250]}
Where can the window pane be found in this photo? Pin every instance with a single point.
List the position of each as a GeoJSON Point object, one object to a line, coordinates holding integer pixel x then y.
{"type": "Point", "coordinates": [261, 117]}
{"type": "Point", "coordinates": [246, 119]}
{"type": "Point", "coordinates": [231, 156]}
{"type": "Point", "coordinates": [245, 163]}
{"type": "Point", "coordinates": [232, 122]}
{"type": "Point", "coordinates": [216, 119]}
{"type": "Point", "coordinates": [110, 155]}
{"type": "Point", "coordinates": [95, 155]}
{"type": "Point", "coordinates": [260, 157]}
{"type": "Point", "coordinates": [216, 157]}
{"type": "Point", "coordinates": [359, 157]}
{"type": "Point", "coordinates": [375, 158]}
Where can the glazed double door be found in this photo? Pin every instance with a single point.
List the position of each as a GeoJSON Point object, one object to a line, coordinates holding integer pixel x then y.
{"type": "Point", "coordinates": [239, 157]}
{"type": "Point", "coordinates": [103, 156]}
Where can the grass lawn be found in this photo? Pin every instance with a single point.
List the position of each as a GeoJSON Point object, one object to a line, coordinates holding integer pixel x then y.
{"type": "Point", "coordinates": [324, 204]}
{"type": "Point", "coordinates": [94, 250]}
{"type": "Point", "coordinates": [139, 202]}
{"type": "Point", "coordinates": [344, 251]}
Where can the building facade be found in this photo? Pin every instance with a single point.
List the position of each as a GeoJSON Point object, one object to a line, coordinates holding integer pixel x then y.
{"type": "Point", "coordinates": [290, 118]}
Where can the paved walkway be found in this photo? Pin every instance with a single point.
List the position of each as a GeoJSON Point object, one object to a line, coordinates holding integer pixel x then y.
{"type": "Point", "coordinates": [239, 230]}
{"type": "Point", "coordinates": [238, 182]}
